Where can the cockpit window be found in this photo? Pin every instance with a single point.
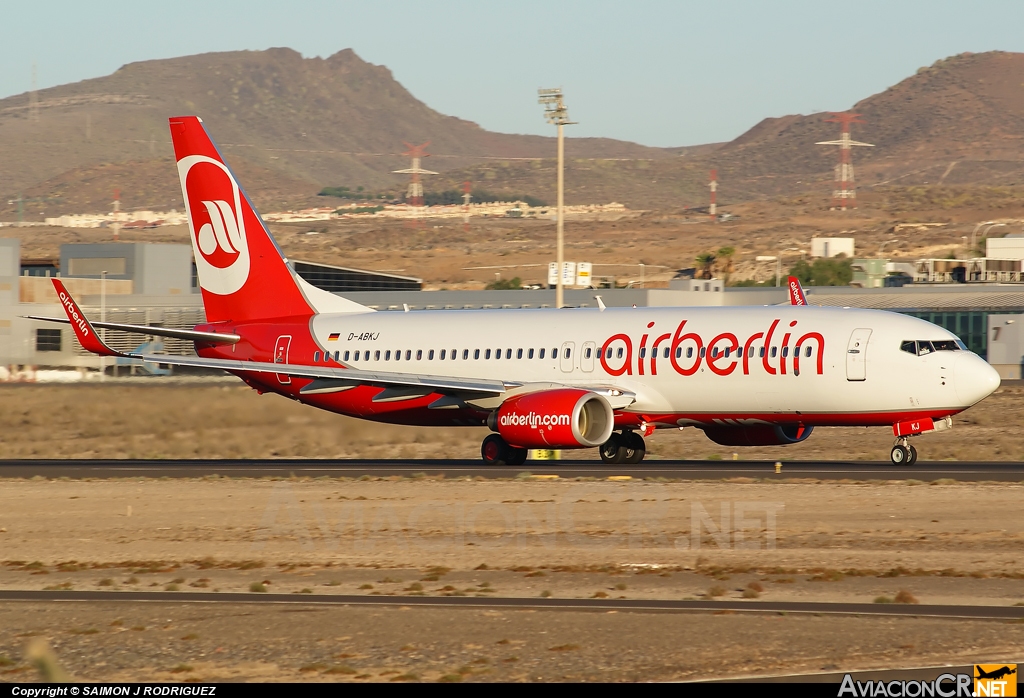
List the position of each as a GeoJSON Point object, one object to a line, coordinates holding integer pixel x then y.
{"type": "Point", "coordinates": [922, 347]}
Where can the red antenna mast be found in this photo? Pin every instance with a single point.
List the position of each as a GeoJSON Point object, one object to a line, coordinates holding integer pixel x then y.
{"type": "Point", "coordinates": [845, 194]}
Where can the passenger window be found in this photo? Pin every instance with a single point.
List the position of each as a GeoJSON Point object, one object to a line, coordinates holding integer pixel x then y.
{"type": "Point", "coordinates": [476, 353]}
{"type": "Point", "coordinates": [442, 354]}
{"type": "Point", "coordinates": [618, 354]}
{"type": "Point", "coordinates": [554, 353]}
{"type": "Point", "coordinates": [666, 353]}
{"type": "Point", "coordinates": [376, 355]}
{"type": "Point", "coordinates": [774, 352]}
{"type": "Point", "coordinates": [643, 352]}
{"type": "Point", "coordinates": [508, 353]}
{"type": "Point", "coordinates": [703, 351]}
{"type": "Point", "coordinates": [541, 354]}
{"type": "Point", "coordinates": [689, 352]}
{"type": "Point", "coordinates": [760, 352]}
{"type": "Point", "coordinates": [419, 355]}
{"type": "Point", "coordinates": [387, 355]}
{"type": "Point", "coordinates": [807, 351]}
{"type": "Point", "coordinates": [728, 350]}
{"type": "Point", "coordinates": [316, 357]}
{"type": "Point", "coordinates": [608, 356]}
{"type": "Point", "coordinates": [346, 356]}
{"type": "Point", "coordinates": [430, 355]}
{"type": "Point", "coordinates": [586, 354]}
{"type": "Point", "coordinates": [785, 352]}
{"type": "Point", "coordinates": [519, 353]}
{"type": "Point", "coordinates": [455, 354]}
{"type": "Point", "coordinates": [750, 351]}
{"type": "Point", "coordinates": [398, 355]}
{"type": "Point", "coordinates": [530, 354]}
{"type": "Point", "coordinates": [714, 353]}
{"type": "Point", "coordinates": [487, 354]}
{"type": "Point", "coordinates": [465, 354]}
{"type": "Point", "coordinates": [568, 353]}
{"type": "Point", "coordinates": [497, 354]}
{"type": "Point", "coordinates": [408, 354]}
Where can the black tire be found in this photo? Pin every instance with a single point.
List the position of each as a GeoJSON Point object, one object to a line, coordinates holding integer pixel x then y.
{"type": "Point", "coordinates": [636, 447]}
{"type": "Point", "coordinates": [494, 450]}
{"type": "Point", "coordinates": [913, 456]}
{"type": "Point", "coordinates": [516, 455]}
{"type": "Point", "coordinates": [613, 451]}
{"type": "Point", "coordinates": [899, 455]}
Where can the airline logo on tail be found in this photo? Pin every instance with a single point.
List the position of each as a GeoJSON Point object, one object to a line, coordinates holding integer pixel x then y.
{"type": "Point", "coordinates": [796, 292]}
{"type": "Point", "coordinates": [213, 203]}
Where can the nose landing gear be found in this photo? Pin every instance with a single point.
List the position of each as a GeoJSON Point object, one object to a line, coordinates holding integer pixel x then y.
{"type": "Point", "coordinates": [627, 447]}
{"type": "Point", "coordinates": [902, 453]}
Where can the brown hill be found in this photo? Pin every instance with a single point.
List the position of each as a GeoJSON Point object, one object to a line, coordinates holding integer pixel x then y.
{"type": "Point", "coordinates": [329, 121]}
{"type": "Point", "coordinates": [957, 122]}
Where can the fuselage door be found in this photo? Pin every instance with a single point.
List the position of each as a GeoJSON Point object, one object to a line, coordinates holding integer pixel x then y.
{"type": "Point", "coordinates": [281, 356]}
{"type": "Point", "coordinates": [857, 355]}
{"type": "Point", "coordinates": [566, 356]}
{"type": "Point", "coordinates": [587, 356]}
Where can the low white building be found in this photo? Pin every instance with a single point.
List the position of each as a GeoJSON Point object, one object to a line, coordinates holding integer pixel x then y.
{"type": "Point", "coordinates": [831, 247]}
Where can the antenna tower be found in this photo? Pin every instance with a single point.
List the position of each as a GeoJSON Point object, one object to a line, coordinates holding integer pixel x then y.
{"type": "Point", "coordinates": [466, 196]}
{"type": "Point", "coordinates": [845, 194]}
{"type": "Point", "coordinates": [713, 207]}
{"type": "Point", "coordinates": [116, 224]}
{"type": "Point", "coordinates": [414, 194]}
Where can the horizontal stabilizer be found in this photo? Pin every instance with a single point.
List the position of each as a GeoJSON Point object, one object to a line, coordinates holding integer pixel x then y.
{"type": "Point", "coordinates": [188, 335]}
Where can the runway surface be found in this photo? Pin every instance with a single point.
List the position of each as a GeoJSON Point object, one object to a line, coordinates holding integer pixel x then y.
{"type": "Point", "coordinates": [1011, 613]}
{"type": "Point", "coordinates": [685, 469]}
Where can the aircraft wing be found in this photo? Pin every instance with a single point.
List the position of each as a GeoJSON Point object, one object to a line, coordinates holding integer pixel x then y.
{"type": "Point", "coordinates": [190, 335]}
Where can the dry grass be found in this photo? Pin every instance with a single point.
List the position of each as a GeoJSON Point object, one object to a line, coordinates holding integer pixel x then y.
{"type": "Point", "coordinates": [148, 420]}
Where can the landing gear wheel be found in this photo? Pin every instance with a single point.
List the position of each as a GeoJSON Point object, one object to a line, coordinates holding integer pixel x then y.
{"type": "Point", "coordinates": [613, 450]}
{"type": "Point", "coordinates": [913, 455]}
{"type": "Point", "coordinates": [900, 455]}
{"type": "Point", "coordinates": [516, 455]}
{"type": "Point", "coordinates": [636, 447]}
{"type": "Point", "coordinates": [495, 451]}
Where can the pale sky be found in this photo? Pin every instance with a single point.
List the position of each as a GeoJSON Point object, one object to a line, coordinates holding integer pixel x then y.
{"type": "Point", "coordinates": [658, 72]}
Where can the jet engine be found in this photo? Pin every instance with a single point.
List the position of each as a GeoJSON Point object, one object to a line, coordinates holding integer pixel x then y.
{"type": "Point", "coordinates": [758, 435]}
{"type": "Point", "coordinates": [559, 418]}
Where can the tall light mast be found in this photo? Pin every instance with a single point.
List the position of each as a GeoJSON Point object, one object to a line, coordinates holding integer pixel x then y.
{"type": "Point", "coordinates": [557, 113]}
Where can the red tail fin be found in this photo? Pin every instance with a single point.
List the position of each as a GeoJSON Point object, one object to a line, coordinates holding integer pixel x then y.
{"type": "Point", "coordinates": [242, 273]}
{"type": "Point", "coordinates": [796, 292]}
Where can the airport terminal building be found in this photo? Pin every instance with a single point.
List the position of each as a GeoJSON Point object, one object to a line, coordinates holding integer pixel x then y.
{"type": "Point", "coordinates": [150, 284]}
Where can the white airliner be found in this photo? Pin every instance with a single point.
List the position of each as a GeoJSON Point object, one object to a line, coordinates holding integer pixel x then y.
{"type": "Point", "coordinates": [549, 378]}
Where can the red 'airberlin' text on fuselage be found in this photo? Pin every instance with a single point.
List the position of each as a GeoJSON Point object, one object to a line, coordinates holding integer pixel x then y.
{"type": "Point", "coordinates": [723, 354]}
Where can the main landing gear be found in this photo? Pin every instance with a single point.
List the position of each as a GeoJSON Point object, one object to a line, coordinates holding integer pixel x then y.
{"type": "Point", "coordinates": [902, 453]}
{"type": "Point", "coordinates": [624, 447]}
{"type": "Point", "coordinates": [496, 451]}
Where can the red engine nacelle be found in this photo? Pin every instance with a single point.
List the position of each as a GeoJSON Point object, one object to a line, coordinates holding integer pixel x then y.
{"type": "Point", "coordinates": [759, 435]}
{"type": "Point", "coordinates": [560, 418]}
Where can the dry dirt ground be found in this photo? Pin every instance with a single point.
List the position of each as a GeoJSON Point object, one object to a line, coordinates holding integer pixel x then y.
{"type": "Point", "coordinates": [942, 543]}
{"type": "Point", "coordinates": [445, 255]}
{"type": "Point", "coordinates": [148, 418]}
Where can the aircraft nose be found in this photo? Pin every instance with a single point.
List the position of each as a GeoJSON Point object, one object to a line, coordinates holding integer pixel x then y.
{"type": "Point", "coordinates": [973, 378]}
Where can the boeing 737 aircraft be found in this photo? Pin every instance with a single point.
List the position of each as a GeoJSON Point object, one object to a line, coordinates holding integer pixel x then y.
{"type": "Point", "coordinates": [565, 378]}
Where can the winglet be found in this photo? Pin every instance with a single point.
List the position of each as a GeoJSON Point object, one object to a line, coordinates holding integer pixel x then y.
{"type": "Point", "coordinates": [796, 293]}
{"type": "Point", "coordinates": [84, 330]}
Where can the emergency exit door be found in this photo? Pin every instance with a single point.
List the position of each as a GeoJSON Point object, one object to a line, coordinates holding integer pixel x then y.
{"type": "Point", "coordinates": [857, 355]}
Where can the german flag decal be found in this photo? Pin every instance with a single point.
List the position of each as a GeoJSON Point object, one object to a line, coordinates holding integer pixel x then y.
{"type": "Point", "coordinates": [334, 337]}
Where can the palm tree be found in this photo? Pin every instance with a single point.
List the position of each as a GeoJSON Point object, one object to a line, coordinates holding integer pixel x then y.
{"type": "Point", "coordinates": [706, 261]}
{"type": "Point", "coordinates": [726, 254]}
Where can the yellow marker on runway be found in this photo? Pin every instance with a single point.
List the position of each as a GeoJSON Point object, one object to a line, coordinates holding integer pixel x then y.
{"type": "Point", "coordinates": [620, 477]}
